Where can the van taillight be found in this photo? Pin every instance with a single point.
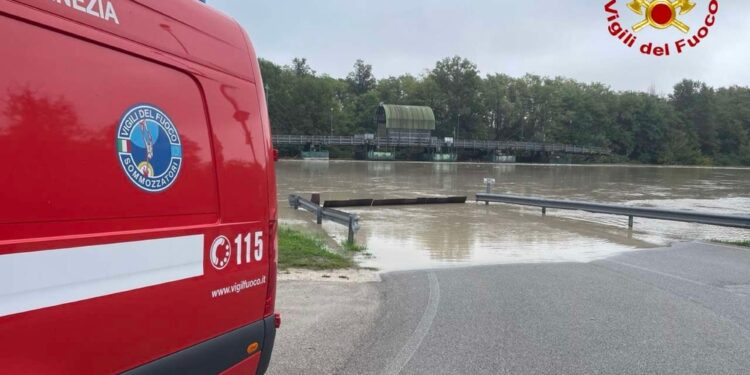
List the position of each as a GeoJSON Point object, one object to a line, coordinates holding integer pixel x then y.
{"type": "Point", "coordinates": [273, 260]}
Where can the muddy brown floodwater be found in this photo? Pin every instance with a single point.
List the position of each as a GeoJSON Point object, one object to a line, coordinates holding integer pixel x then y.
{"type": "Point", "coordinates": [412, 237]}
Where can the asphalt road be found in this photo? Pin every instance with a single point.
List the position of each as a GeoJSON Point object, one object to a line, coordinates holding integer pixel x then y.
{"type": "Point", "coordinates": [683, 310]}
{"type": "Point", "coordinates": [320, 324]}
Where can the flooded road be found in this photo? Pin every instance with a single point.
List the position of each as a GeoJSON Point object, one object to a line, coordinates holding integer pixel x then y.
{"type": "Point", "coordinates": [413, 237]}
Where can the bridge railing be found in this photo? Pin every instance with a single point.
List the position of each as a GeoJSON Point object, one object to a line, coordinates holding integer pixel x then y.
{"type": "Point", "coordinates": [359, 140]}
{"type": "Point", "coordinates": [318, 139]}
{"type": "Point", "coordinates": [735, 221]}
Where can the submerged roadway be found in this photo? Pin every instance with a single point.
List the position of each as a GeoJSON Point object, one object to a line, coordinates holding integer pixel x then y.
{"type": "Point", "coordinates": [680, 310]}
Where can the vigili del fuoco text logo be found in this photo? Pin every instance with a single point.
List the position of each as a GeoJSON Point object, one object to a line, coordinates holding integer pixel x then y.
{"type": "Point", "coordinates": [661, 15]}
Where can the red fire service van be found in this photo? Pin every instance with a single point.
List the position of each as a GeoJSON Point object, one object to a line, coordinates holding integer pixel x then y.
{"type": "Point", "coordinates": [137, 191]}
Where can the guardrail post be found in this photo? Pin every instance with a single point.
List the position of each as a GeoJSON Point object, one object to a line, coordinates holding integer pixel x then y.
{"type": "Point", "coordinates": [351, 229]}
{"type": "Point", "coordinates": [544, 211]}
{"type": "Point", "coordinates": [630, 222]}
{"type": "Point", "coordinates": [489, 182]}
{"type": "Point", "coordinates": [319, 215]}
{"type": "Point", "coordinates": [294, 201]}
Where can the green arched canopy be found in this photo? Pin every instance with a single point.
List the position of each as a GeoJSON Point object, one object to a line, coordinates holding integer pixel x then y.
{"type": "Point", "coordinates": [406, 117]}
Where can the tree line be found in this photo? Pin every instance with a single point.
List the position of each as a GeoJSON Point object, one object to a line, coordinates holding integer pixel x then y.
{"type": "Point", "coordinates": [694, 125]}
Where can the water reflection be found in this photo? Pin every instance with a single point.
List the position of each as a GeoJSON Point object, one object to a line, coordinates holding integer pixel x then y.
{"type": "Point", "coordinates": [436, 236]}
{"type": "Point", "coordinates": [378, 168]}
{"type": "Point", "coordinates": [441, 168]}
{"type": "Point", "coordinates": [315, 166]}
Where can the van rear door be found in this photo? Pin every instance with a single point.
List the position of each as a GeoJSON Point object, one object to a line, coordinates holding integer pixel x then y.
{"type": "Point", "coordinates": [101, 269]}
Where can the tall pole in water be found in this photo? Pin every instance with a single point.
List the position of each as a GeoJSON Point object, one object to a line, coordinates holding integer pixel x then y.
{"type": "Point", "coordinates": [455, 135]}
{"type": "Point", "coordinates": [458, 126]}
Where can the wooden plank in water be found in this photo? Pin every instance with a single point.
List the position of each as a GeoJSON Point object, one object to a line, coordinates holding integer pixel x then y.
{"type": "Point", "coordinates": [394, 202]}
{"type": "Point", "coordinates": [446, 200]}
{"type": "Point", "coordinates": [348, 203]}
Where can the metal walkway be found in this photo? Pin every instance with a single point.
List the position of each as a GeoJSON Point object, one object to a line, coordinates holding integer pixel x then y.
{"type": "Point", "coordinates": [433, 142]}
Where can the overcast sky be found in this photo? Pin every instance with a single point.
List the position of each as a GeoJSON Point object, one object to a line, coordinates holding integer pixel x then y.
{"type": "Point", "coordinates": [552, 38]}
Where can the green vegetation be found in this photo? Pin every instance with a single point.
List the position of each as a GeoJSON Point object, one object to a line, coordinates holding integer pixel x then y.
{"type": "Point", "coordinates": [693, 125]}
{"type": "Point", "coordinates": [301, 250]}
{"type": "Point", "coordinates": [736, 243]}
{"type": "Point", "coordinates": [352, 247]}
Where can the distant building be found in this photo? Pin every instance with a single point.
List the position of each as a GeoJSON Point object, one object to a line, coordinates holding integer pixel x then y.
{"type": "Point", "coordinates": [404, 121]}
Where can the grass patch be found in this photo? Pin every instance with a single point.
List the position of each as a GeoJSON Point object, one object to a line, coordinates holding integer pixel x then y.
{"type": "Point", "coordinates": [352, 247]}
{"type": "Point", "coordinates": [301, 250]}
{"type": "Point", "coordinates": [736, 243]}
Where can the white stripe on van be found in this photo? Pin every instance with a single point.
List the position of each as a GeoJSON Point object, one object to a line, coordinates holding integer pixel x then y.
{"type": "Point", "coordinates": [35, 280]}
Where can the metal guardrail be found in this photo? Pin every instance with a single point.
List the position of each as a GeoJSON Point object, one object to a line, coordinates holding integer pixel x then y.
{"type": "Point", "coordinates": [351, 221]}
{"type": "Point", "coordinates": [734, 221]}
{"type": "Point", "coordinates": [360, 140]}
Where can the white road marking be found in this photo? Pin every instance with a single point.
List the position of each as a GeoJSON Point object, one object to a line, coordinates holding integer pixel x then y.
{"type": "Point", "coordinates": [39, 279]}
{"type": "Point", "coordinates": [407, 351]}
{"type": "Point", "coordinates": [669, 275]}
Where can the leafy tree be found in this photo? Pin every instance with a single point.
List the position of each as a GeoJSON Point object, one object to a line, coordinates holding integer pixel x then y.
{"type": "Point", "coordinates": [361, 80]}
{"type": "Point", "coordinates": [498, 108]}
{"type": "Point", "coordinates": [695, 102]}
{"type": "Point", "coordinates": [301, 68]}
{"type": "Point", "coordinates": [733, 114]}
{"type": "Point", "coordinates": [458, 84]}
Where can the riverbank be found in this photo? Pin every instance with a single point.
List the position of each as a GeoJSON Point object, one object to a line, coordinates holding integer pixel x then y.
{"type": "Point", "coordinates": [299, 250]}
{"type": "Point", "coordinates": [736, 243]}
{"type": "Point", "coordinates": [349, 275]}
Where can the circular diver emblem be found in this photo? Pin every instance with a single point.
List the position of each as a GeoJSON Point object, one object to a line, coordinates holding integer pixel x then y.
{"type": "Point", "coordinates": [149, 148]}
